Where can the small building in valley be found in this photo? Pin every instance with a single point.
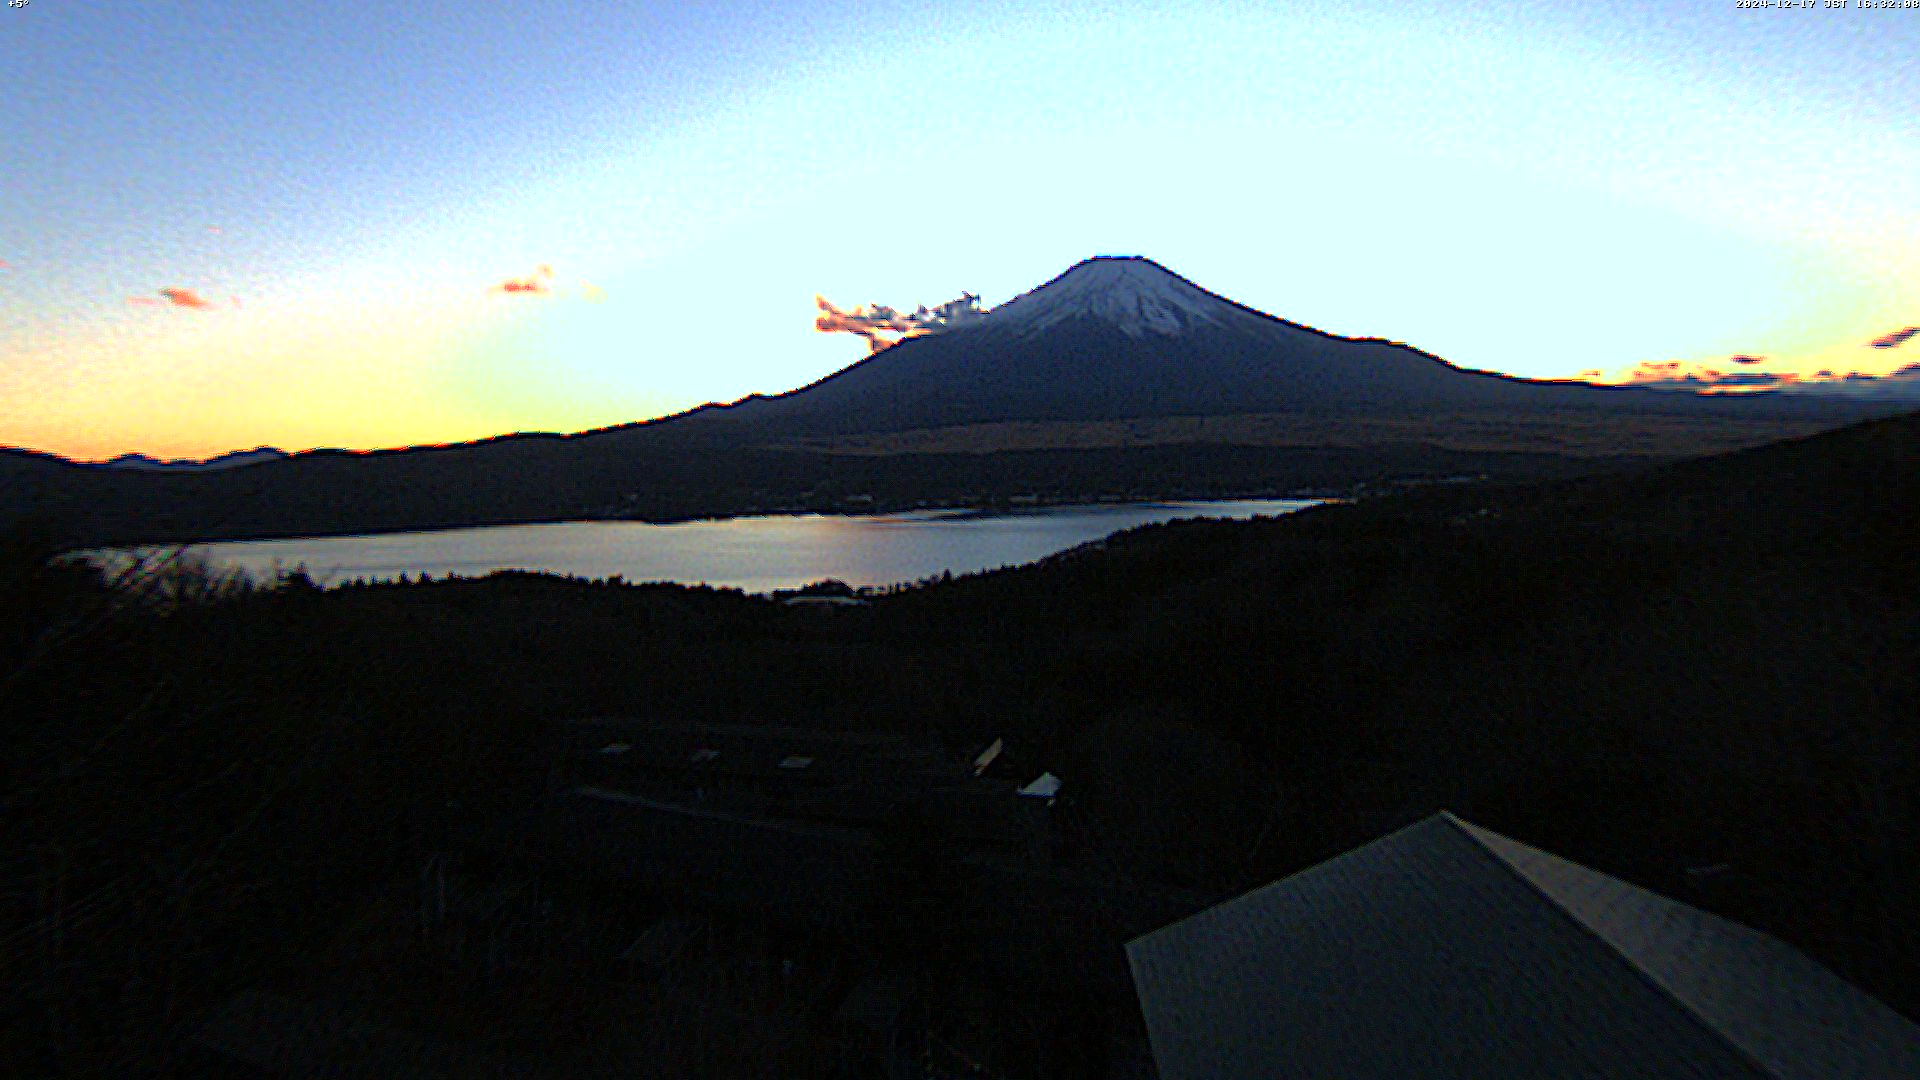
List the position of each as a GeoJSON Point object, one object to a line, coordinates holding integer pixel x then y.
{"type": "Point", "coordinates": [828, 777]}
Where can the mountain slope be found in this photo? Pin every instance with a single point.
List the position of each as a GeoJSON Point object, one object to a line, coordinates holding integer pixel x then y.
{"type": "Point", "coordinates": [1119, 337]}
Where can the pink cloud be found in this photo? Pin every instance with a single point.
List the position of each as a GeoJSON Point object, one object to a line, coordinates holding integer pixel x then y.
{"type": "Point", "coordinates": [1895, 339]}
{"type": "Point", "coordinates": [1702, 379]}
{"type": "Point", "coordinates": [186, 298]}
{"type": "Point", "coordinates": [177, 296]}
{"type": "Point", "coordinates": [869, 323]}
{"type": "Point", "coordinates": [537, 283]}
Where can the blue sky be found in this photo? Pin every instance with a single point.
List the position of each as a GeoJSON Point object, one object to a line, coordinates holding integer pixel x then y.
{"type": "Point", "coordinates": [339, 190]}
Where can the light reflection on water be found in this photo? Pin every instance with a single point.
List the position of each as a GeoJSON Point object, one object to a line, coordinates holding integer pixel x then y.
{"type": "Point", "coordinates": [758, 554]}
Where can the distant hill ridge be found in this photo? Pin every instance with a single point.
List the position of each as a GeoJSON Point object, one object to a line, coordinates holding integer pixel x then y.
{"type": "Point", "coordinates": [231, 460]}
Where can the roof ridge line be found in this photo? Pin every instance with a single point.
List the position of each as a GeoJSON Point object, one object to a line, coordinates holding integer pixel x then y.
{"type": "Point", "coordinates": [1586, 928]}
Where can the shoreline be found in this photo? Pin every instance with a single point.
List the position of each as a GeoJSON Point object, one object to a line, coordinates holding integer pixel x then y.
{"type": "Point", "coordinates": [765, 554]}
{"type": "Point", "coordinates": [984, 506]}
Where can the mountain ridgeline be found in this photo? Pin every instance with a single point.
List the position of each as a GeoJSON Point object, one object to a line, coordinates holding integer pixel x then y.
{"type": "Point", "coordinates": [1123, 337]}
{"type": "Point", "coordinates": [1117, 379]}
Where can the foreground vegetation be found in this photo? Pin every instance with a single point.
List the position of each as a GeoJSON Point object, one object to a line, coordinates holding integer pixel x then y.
{"type": "Point", "coordinates": [1700, 678]}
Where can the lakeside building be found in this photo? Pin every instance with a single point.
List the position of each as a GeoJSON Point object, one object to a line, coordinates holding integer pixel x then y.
{"type": "Point", "coordinates": [1448, 951]}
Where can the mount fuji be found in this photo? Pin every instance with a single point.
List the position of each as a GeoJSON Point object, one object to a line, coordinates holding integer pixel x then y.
{"type": "Point", "coordinates": [1123, 337]}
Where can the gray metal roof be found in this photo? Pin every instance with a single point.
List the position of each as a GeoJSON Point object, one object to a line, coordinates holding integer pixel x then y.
{"type": "Point", "coordinates": [1444, 950]}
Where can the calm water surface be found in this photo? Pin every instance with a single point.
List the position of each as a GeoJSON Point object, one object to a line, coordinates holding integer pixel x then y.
{"type": "Point", "coordinates": [758, 554]}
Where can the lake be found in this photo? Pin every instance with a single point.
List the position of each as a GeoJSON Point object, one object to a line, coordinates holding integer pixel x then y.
{"type": "Point", "coordinates": [758, 554]}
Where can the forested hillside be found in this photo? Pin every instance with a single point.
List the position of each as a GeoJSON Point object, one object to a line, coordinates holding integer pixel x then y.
{"type": "Point", "coordinates": [1700, 678]}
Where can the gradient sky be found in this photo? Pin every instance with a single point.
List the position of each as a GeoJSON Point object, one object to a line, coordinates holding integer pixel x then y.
{"type": "Point", "coordinates": [1542, 189]}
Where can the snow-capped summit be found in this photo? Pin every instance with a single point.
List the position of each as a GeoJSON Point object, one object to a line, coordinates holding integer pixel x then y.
{"type": "Point", "coordinates": [1116, 338]}
{"type": "Point", "coordinates": [1134, 294]}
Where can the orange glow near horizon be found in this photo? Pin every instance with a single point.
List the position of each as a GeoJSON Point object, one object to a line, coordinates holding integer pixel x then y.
{"type": "Point", "coordinates": [197, 388]}
{"type": "Point", "coordinates": [279, 372]}
{"type": "Point", "coordinates": [1745, 372]}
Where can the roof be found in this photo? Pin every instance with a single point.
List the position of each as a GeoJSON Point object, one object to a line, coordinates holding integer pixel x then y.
{"type": "Point", "coordinates": [990, 754]}
{"type": "Point", "coordinates": [841, 777]}
{"type": "Point", "coordinates": [615, 748]}
{"type": "Point", "coordinates": [645, 726]}
{"type": "Point", "coordinates": [1044, 786]}
{"type": "Point", "coordinates": [1446, 950]}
